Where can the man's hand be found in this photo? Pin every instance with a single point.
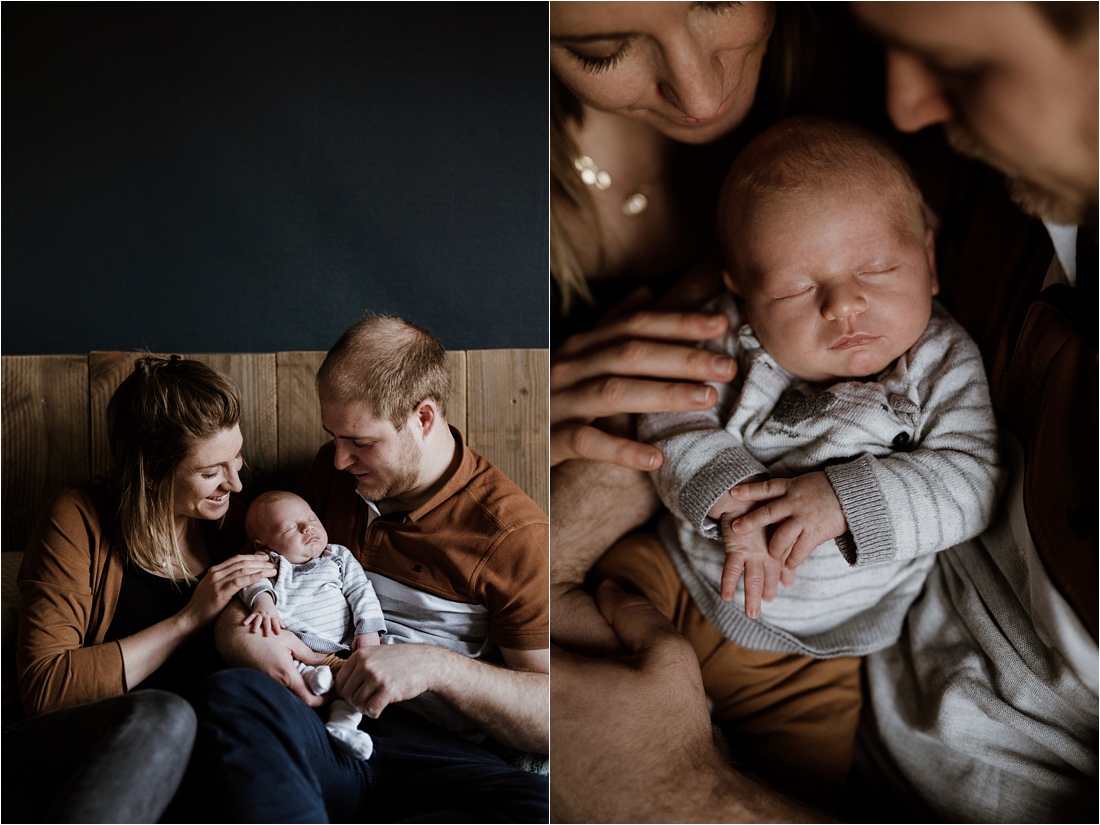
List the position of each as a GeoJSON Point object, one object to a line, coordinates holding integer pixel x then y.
{"type": "Point", "coordinates": [274, 655]}
{"type": "Point", "coordinates": [633, 740]}
{"type": "Point", "coordinates": [805, 508]}
{"type": "Point", "coordinates": [375, 677]}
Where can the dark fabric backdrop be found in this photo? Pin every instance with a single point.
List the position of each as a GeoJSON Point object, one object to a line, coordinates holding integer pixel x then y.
{"type": "Point", "coordinates": [252, 177]}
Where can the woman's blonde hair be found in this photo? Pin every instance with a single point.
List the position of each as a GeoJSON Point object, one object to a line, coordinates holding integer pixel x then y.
{"type": "Point", "coordinates": [156, 416]}
{"type": "Point", "coordinates": [781, 79]}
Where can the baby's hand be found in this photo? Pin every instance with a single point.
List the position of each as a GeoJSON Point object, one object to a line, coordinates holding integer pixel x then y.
{"type": "Point", "coordinates": [365, 640]}
{"type": "Point", "coordinates": [261, 622]}
{"type": "Point", "coordinates": [264, 616]}
{"type": "Point", "coordinates": [748, 554]}
{"type": "Point", "coordinates": [806, 509]}
{"type": "Point", "coordinates": [730, 505]}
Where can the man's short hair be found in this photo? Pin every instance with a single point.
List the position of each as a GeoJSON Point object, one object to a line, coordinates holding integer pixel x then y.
{"type": "Point", "coordinates": [390, 363]}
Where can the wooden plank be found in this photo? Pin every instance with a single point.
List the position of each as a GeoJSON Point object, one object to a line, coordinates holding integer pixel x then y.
{"type": "Point", "coordinates": [106, 370]}
{"type": "Point", "coordinates": [457, 414]}
{"type": "Point", "coordinates": [300, 430]}
{"type": "Point", "coordinates": [45, 436]}
{"type": "Point", "coordinates": [254, 375]}
{"type": "Point", "coordinates": [508, 414]}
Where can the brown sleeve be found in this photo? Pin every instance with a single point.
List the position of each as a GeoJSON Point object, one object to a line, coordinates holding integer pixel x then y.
{"type": "Point", "coordinates": [514, 584]}
{"type": "Point", "coordinates": [61, 604]}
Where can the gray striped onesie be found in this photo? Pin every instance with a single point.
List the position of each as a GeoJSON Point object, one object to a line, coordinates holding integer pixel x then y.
{"type": "Point", "coordinates": [326, 601]}
{"type": "Point", "coordinates": [912, 456]}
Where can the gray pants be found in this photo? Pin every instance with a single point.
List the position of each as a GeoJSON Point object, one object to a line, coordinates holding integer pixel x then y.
{"type": "Point", "coordinates": [116, 760]}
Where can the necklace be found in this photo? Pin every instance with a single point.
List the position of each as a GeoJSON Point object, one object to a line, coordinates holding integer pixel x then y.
{"type": "Point", "coordinates": [633, 204]}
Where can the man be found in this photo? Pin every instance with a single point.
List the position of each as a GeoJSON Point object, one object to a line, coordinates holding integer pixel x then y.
{"type": "Point", "coordinates": [457, 555]}
{"type": "Point", "coordinates": [986, 710]}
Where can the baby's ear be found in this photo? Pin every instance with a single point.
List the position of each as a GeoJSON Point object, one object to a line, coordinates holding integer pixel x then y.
{"type": "Point", "coordinates": [730, 283]}
{"type": "Point", "coordinates": [930, 251]}
{"type": "Point", "coordinates": [259, 546]}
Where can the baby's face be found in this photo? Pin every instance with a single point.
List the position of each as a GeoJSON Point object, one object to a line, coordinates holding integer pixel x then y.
{"type": "Point", "coordinates": [836, 284]}
{"type": "Point", "coordinates": [290, 528]}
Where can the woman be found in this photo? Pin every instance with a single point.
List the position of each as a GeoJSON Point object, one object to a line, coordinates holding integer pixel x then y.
{"type": "Point", "coordinates": [123, 577]}
{"type": "Point", "coordinates": [649, 104]}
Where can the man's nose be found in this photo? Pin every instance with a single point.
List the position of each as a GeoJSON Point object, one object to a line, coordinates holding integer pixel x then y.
{"type": "Point", "coordinates": [342, 459]}
{"type": "Point", "coordinates": [693, 78]}
{"type": "Point", "coordinates": [914, 96]}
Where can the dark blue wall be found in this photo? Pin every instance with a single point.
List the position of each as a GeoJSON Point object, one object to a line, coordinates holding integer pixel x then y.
{"type": "Point", "coordinates": [252, 177]}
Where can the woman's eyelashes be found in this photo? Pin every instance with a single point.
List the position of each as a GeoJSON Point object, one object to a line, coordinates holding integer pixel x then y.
{"type": "Point", "coordinates": [596, 63]}
{"type": "Point", "coordinates": [721, 8]}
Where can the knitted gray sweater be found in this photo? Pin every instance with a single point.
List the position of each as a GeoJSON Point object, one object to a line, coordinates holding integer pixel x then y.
{"type": "Point", "coordinates": [912, 456]}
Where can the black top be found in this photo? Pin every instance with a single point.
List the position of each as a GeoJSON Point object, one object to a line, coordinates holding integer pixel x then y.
{"type": "Point", "coordinates": [144, 600]}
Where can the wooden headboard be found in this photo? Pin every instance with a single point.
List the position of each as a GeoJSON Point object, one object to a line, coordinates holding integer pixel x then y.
{"type": "Point", "coordinates": [54, 420]}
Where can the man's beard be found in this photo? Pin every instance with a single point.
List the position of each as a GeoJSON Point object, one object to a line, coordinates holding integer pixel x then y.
{"type": "Point", "coordinates": [386, 496]}
{"type": "Point", "coordinates": [403, 478]}
{"type": "Point", "coordinates": [1033, 199]}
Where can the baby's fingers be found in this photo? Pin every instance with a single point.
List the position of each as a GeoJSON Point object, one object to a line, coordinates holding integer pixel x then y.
{"type": "Point", "coordinates": [770, 512]}
{"type": "Point", "coordinates": [754, 587]}
{"type": "Point", "coordinates": [731, 573]}
{"type": "Point", "coordinates": [771, 579]}
{"type": "Point", "coordinates": [761, 490]}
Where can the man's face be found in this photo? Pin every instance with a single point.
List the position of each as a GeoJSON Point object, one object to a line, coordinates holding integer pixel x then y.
{"type": "Point", "coordinates": [1009, 89]}
{"type": "Point", "coordinates": [385, 461]}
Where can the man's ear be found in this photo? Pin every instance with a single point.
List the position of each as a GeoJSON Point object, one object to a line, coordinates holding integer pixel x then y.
{"type": "Point", "coordinates": [425, 417]}
{"type": "Point", "coordinates": [930, 251]}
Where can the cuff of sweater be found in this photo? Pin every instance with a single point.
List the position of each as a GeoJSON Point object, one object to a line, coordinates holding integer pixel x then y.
{"type": "Point", "coordinates": [371, 626]}
{"type": "Point", "coordinates": [249, 594]}
{"type": "Point", "coordinates": [869, 538]}
{"type": "Point", "coordinates": [728, 468]}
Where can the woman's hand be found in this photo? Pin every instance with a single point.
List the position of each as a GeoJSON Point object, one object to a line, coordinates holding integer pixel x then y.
{"type": "Point", "coordinates": [634, 361]}
{"type": "Point", "coordinates": [221, 583]}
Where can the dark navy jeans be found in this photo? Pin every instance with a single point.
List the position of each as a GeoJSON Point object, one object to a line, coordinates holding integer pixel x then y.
{"type": "Point", "coordinates": [262, 755]}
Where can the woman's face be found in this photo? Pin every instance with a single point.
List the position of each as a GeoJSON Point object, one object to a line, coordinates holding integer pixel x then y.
{"type": "Point", "coordinates": [689, 70]}
{"type": "Point", "coordinates": [208, 475]}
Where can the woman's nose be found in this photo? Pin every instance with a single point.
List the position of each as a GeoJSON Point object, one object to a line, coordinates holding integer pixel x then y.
{"type": "Point", "coordinates": [914, 96]}
{"type": "Point", "coordinates": [233, 480]}
{"type": "Point", "coordinates": [693, 79]}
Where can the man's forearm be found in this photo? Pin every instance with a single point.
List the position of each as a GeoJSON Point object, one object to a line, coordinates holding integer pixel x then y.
{"type": "Point", "coordinates": [512, 706]}
{"type": "Point", "coordinates": [274, 655]}
{"type": "Point", "coordinates": [592, 505]}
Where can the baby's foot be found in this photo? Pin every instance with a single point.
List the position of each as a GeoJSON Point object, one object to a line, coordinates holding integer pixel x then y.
{"type": "Point", "coordinates": [317, 679]}
{"type": "Point", "coordinates": [351, 741]}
